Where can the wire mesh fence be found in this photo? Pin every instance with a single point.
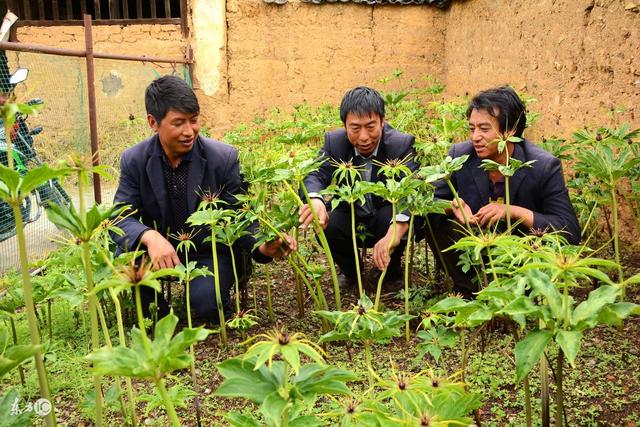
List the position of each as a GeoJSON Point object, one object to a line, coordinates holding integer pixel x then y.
{"type": "Point", "coordinates": [61, 129]}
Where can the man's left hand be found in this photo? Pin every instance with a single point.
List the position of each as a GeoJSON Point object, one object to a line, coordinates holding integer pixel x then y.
{"type": "Point", "coordinates": [278, 248]}
{"type": "Point", "coordinates": [384, 247]}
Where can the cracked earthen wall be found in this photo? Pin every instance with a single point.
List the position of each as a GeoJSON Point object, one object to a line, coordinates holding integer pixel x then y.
{"type": "Point", "coordinates": [578, 58]}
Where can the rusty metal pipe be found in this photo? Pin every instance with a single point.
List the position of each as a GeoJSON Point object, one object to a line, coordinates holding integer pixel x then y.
{"type": "Point", "coordinates": [93, 123]}
{"type": "Point", "coordinates": [28, 47]}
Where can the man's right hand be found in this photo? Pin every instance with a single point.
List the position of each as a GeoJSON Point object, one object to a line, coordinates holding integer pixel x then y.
{"type": "Point", "coordinates": [306, 216]}
{"type": "Point", "coordinates": [161, 252]}
{"type": "Point", "coordinates": [457, 212]}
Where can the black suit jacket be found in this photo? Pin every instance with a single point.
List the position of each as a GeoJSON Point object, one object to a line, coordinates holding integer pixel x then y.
{"type": "Point", "coordinates": [214, 168]}
{"type": "Point", "coordinates": [540, 188]}
{"type": "Point", "coordinates": [393, 145]}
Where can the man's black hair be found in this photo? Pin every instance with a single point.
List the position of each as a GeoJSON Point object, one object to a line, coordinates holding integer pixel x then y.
{"type": "Point", "coordinates": [170, 93]}
{"type": "Point", "coordinates": [505, 105]}
{"type": "Point", "coordinates": [361, 101]}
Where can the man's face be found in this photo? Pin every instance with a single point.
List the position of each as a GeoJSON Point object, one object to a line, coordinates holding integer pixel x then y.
{"type": "Point", "coordinates": [177, 132]}
{"type": "Point", "coordinates": [364, 132]}
{"type": "Point", "coordinates": [484, 130]}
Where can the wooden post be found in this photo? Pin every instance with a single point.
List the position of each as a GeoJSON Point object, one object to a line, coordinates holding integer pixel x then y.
{"type": "Point", "coordinates": [93, 128]}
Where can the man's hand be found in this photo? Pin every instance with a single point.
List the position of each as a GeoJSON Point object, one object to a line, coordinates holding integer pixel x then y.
{"type": "Point", "coordinates": [161, 252]}
{"type": "Point", "coordinates": [384, 247]}
{"type": "Point", "coordinates": [278, 248]}
{"type": "Point", "coordinates": [457, 212]}
{"type": "Point", "coordinates": [494, 212]}
{"type": "Point", "coordinates": [306, 216]}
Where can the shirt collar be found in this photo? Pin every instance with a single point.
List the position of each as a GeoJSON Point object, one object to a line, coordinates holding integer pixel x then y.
{"type": "Point", "coordinates": [372, 155]}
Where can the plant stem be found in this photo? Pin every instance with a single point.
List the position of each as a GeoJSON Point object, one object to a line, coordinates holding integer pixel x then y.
{"type": "Point", "coordinates": [407, 268]}
{"type": "Point", "coordinates": [235, 278]}
{"type": "Point", "coordinates": [171, 411]}
{"type": "Point", "coordinates": [15, 342]}
{"type": "Point", "coordinates": [123, 343]}
{"type": "Point", "coordinates": [325, 245]}
{"type": "Point", "coordinates": [355, 249]}
{"type": "Point", "coordinates": [95, 333]}
{"type": "Point", "coordinates": [559, 391]}
{"type": "Point", "coordinates": [267, 273]}
{"type": "Point", "coordinates": [384, 272]}
{"type": "Point", "coordinates": [299, 293]}
{"type": "Point", "coordinates": [187, 280]}
{"type": "Point", "coordinates": [29, 307]}
{"type": "Point", "coordinates": [616, 240]}
{"type": "Point", "coordinates": [159, 382]}
{"type": "Point", "coordinates": [107, 339]}
{"type": "Point", "coordinates": [544, 390]}
{"type": "Point", "coordinates": [367, 353]}
{"type": "Point", "coordinates": [49, 323]}
{"type": "Point", "coordinates": [507, 199]}
{"type": "Point", "coordinates": [216, 276]}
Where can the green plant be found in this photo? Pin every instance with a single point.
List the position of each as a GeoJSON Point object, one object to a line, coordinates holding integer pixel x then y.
{"type": "Point", "coordinates": [285, 390]}
{"type": "Point", "coordinates": [363, 324]}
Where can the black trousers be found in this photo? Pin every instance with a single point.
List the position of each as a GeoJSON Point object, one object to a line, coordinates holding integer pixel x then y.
{"type": "Point", "coordinates": [202, 294]}
{"type": "Point", "coordinates": [338, 234]}
{"type": "Point", "coordinates": [445, 234]}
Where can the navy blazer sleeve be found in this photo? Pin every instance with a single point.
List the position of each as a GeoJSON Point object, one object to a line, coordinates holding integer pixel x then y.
{"type": "Point", "coordinates": [128, 193]}
{"type": "Point", "coordinates": [556, 211]}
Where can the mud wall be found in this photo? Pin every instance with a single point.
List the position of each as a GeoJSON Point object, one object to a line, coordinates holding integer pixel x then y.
{"type": "Point", "coordinates": [279, 56]}
{"type": "Point", "coordinates": [579, 58]}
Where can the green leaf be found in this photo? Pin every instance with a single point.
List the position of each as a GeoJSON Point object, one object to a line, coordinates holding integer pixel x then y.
{"type": "Point", "coordinates": [273, 407]}
{"type": "Point", "coordinates": [38, 176]}
{"type": "Point", "coordinates": [242, 381]}
{"type": "Point", "coordinates": [587, 311]}
{"type": "Point", "coordinates": [15, 355]}
{"type": "Point", "coordinates": [237, 419]}
{"type": "Point", "coordinates": [9, 405]}
{"type": "Point", "coordinates": [542, 285]}
{"type": "Point", "coordinates": [529, 350]}
{"type": "Point", "coordinates": [569, 342]}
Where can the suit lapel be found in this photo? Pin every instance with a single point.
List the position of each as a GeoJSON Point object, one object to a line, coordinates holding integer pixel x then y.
{"type": "Point", "coordinates": [518, 177]}
{"type": "Point", "coordinates": [196, 173]}
{"type": "Point", "coordinates": [156, 177]}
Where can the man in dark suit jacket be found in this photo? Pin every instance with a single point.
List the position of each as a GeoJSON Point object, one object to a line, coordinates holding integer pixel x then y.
{"type": "Point", "coordinates": [162, 179]}
{"type": "Point", "coordinates": [538, 196]}
{"type": "Point", "coordinates": [365, 138]}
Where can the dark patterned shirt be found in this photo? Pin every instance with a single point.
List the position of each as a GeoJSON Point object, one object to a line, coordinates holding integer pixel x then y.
{"type": "Point", "coordinates": [176, 181]}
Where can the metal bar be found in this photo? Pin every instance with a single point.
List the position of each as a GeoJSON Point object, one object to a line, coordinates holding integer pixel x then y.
{"type": "Point", "coordinates": [27, 9]}
{"type": "Point", "coordinates": [93, 124]}
{"type": "Point", "coordinates": [167, 8]}
{"type": "Point", "coordinates": [83, 7]}
{"type": "Point", "coordinates": [66, 22]}
{"type": "Point", "coordinates": [41, 10]}
{"type": "Point", "coordinates": [113, 9]}
{"type": "Point", "coordinates": [69, 10]}
{"type": "Point", "coordinates": [27, 47]}
{"type": "Point", "coordinates": [96, 9]}
{"type": "Point", "coordinates": [154, 12]}
{"type": "Point", "coordinates": [125, 9]}
{"type": "Point", "coordinates": [139, 9]}
{"type": "Point", "coordinates": [55, 7]}
{"type": "Point", "coordinates": [184, 18]}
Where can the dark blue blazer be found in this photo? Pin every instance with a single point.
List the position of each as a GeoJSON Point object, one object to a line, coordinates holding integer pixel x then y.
{"type": "Point", "coordinates": [540, 188]}
{"type": "Point", "coordinates": [393, 145]}
{"type": "Point", "coordinates": [214, 168]}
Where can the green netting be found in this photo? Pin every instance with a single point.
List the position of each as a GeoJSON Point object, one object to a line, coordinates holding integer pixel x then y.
{"type": "Point", "coordinates": [61, 83]}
